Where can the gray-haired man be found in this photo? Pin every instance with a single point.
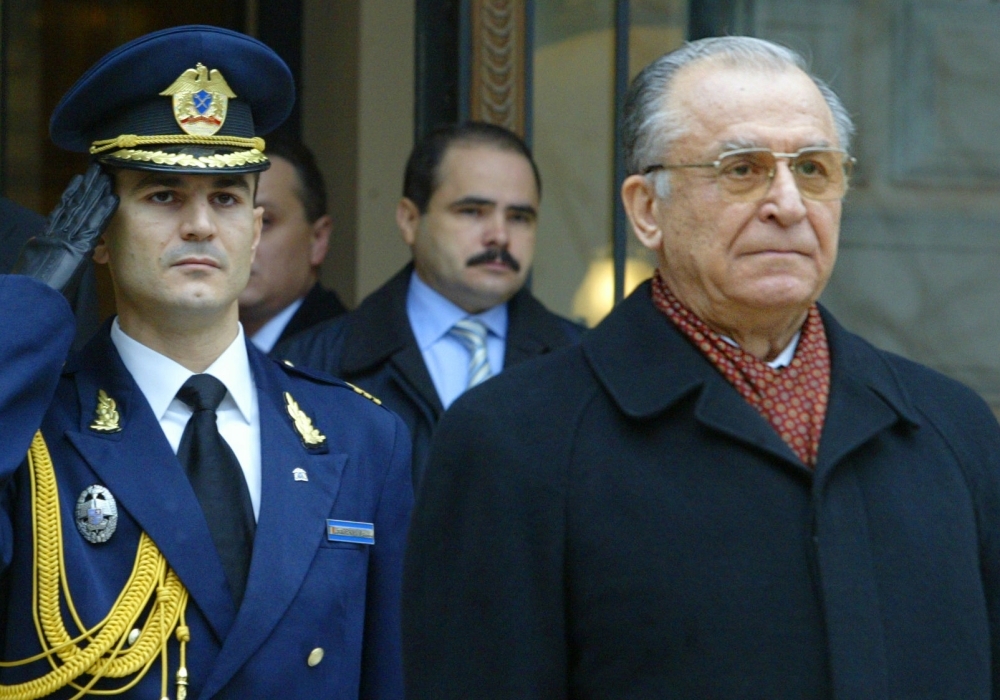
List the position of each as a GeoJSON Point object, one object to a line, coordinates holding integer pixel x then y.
{"type": "Point", "coordinates": [721, 493]}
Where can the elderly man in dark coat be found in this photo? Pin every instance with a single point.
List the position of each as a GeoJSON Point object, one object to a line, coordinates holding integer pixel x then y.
{"type": "Point", "coordinates": [721, 493]}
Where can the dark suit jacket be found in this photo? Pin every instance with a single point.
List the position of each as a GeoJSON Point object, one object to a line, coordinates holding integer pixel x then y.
{"type": "Point", "coordinates": [17, 225]}
{"type": "Point", "coordinates": [616, 521]}
{"type": "Point", "coordinates": [320, 304]}
{"type": "Point", "coordinates": [374, 348]}
{"type": "Point", "coordinates": [303, 591]}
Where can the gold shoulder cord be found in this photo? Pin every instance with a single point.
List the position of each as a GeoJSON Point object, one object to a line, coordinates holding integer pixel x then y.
{"type": "Point", "coordinates": [103, 651]}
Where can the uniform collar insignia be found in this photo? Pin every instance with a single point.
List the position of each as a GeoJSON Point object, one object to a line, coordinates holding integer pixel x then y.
{"type": "Point", "coordinates": [201, 100]}
{"type": "Point", "coordinates": [303, 423]}
{"type": "Point", "coordinates": [106, 417]}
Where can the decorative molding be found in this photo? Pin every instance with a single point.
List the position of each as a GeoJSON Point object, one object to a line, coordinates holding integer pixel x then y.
{"type": "Point", "coordinates": [497, 90]}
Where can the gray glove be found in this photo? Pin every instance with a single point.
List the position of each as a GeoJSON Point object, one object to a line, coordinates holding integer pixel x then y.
{"type": "Point", "coordinates": [58, 255]}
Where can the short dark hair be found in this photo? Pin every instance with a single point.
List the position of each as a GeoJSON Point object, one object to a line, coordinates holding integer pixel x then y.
{"type": "Point", "coordinates": [311, 188]}
{"type": "Point", "coordinates": [422, 176]}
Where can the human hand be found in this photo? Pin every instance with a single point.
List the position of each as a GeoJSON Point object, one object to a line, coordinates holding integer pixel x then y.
{"type": "Point", "coordinates": [74, 226]}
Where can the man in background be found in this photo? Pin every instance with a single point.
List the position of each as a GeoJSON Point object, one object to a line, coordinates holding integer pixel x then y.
{"type": "Point", "coordinates": [284, 295]}
{"type": "Point", "coordinates": [459, 312]}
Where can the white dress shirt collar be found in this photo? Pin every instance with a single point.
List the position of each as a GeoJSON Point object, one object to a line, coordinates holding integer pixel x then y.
{"type": "Point", "coordinates": [160, 377]}
{"type": "Point", "coordinates": [267, 336]}
{"type": "Point", "coordinates": [784, 358]}
{"type": "Point", "coordinates": [432, 315]}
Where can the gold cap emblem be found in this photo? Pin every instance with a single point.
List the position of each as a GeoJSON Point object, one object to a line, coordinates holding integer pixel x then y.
{"type": "Point", "coordinates": [201, 99]}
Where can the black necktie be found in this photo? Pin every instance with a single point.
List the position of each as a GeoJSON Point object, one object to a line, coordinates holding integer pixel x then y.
{"type": "Point", "coordinates": [218, 480]}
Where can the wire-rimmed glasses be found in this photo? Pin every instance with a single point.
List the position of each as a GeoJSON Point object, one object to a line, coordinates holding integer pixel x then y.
{"type": "Point", "coordinates": [746, 174]}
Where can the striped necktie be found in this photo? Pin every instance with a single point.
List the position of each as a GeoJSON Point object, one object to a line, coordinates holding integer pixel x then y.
{"type": "Point", "coordinates": [472, 334]}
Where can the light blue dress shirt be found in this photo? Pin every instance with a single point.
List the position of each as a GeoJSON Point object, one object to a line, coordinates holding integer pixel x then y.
{"type": "Point", "coordinates": [431, 317]}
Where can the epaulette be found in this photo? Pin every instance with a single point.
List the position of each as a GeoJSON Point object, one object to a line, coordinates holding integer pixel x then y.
{"type": "Point", "coordinates": [324, 378]}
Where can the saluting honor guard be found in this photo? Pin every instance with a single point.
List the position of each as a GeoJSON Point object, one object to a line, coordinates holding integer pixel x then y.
{"type": "Point", "coordinates": [181, 516]}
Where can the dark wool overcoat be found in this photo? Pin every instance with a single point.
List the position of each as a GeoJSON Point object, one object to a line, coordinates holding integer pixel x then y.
{"type": "Point", "coordinates": [616, 521]}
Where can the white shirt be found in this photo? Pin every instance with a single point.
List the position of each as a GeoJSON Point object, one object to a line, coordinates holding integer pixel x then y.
{"type": "Point", "coordinates": [160, 378]}
{"type": "Point", "coordinates": [784, 358]}
{"type": "Point", "coordinates": [268, 334]}
{"type": "Point", "coordinates": [431, 317]}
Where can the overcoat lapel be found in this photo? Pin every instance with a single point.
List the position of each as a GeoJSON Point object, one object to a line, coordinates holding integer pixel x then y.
{"type": "Point", "coordinates": [531, 329]}
{"type": "Point", "coordinates": [722, 408]}
{"type": "Point", "coordinates": [415, 379]}
{"type": "Point", "coordinates": [663, 368]}
{"type": "Point", "coordinates": [380, 330]}
{"type": "Point", "coordinates": [290, 527]}
{"type": "Point", "coordinates": [139, 467]}
{"type": "Point", "coordinates": [865, 396]}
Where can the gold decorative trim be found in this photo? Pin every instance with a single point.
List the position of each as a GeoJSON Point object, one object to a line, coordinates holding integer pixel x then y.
{"type": "Point", "coordinates": [498, 63]}
{"type": "Point", "coordinates": [362, 392]}
{"type": "Point", "coordinates": [106, 417]}
{"type": "Point", "coordinates": [227, 160]}
{"type": "Point", "coordinates": [133, 140]}
{"type": "Point", "coordinates": [303, 423]}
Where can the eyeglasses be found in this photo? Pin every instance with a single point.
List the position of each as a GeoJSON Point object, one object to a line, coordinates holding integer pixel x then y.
{"type": "Point", "coordinates": [745, 175]}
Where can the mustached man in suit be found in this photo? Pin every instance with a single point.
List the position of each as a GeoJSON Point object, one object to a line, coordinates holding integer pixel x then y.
{"type": "Point", "coordinates": [459, 312]}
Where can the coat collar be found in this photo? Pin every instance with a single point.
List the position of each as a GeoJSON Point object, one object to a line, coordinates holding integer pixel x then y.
{"type": "Point", "coordinates": [380, 333]}
{"type": "Point", "coordinates": [663, 367]}
{"type": "Point", "coordinates": [320, 304]}
{"type": "Point", "coordinates": [532, 330]}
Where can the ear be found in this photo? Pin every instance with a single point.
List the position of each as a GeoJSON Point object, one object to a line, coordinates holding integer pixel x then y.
{"type": "Point", "coordinates": [101, 254]}
{"type": "Point", "coordinates": [641, 205]}
{"type": "Point", "coordinates": [322, 228]}
{"type": "Point", "coordinates": [408, 220]}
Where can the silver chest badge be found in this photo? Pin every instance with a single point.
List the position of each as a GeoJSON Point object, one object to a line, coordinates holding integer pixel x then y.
{"type": "Point", "coordinates": [96, 514]}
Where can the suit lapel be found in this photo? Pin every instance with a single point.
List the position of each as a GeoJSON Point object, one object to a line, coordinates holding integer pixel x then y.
{"type": "Point", "coordinates": [290, 528]}
{"type": "Point", "coordinates": [141, 470]}
{"type": "Point", "coordinates": [532, 330]}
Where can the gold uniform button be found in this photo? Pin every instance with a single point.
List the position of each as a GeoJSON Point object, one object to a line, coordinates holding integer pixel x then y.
{"type": "Point", "coordinates": [315, 656]}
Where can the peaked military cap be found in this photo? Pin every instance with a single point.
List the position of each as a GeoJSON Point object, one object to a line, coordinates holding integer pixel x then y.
{"type": "Point", "coordinates": [186, 99]}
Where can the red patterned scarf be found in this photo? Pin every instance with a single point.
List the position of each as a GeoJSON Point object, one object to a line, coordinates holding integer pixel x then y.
{"type": "Point", "coordinates": [793, 399]}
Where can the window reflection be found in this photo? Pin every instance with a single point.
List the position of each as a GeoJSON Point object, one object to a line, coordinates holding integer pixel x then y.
{"type": "Point", "coordinates": [573, 138]}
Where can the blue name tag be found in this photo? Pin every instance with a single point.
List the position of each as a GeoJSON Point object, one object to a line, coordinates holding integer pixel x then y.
{"type": "Point", "coordinates": [350, 531]}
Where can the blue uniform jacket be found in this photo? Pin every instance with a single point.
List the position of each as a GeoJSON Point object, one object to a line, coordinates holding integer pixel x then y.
{"type": "Point", "coordinates": [616, 521]}
{"type": "Point", "coordinates": [303, 592]}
